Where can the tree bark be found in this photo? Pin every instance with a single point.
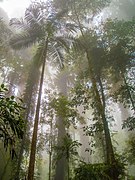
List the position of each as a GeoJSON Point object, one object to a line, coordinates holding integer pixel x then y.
{"type": "Point", "coordinates": [50, 150]}
{"type": "Point", "coordinates": [109, 147]}
{"type": "Point", "coordinates": [35, 130]}
{"type": "Point", "coordinates": [61, 163]}
{"type": "Point", "coordinates": [32, 84]}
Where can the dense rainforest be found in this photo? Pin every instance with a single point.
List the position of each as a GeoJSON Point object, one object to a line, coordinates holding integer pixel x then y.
{"type": "Point", "coordinates": [67, 91]}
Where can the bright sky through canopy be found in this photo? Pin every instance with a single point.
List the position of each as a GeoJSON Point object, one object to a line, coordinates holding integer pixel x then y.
{"type": "Point", "coordinates": [15, 8]}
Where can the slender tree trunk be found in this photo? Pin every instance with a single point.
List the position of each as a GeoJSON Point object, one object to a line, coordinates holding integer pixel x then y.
{"type": "Point", "coordinates": [50, 153]}
{"type": "Point", "coordinates": [68, 167]}
{"type": "Point", "coordinates": [50, 165]}
{"type": "Point", "coordinates": [30, 88]}
{"type": "Point", "coordinates": [35, 130]}
{"type": "Point", "coordinates": [102, 93]}
{"type": "Point", "coordinates": [104, 106]}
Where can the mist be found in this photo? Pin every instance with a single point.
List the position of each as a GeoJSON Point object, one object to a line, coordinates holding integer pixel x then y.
{"type": "Point", "coordinates": [67, 90]}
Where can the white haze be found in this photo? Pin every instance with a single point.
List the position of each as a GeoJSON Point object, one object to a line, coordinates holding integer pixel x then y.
{"type": "Point", "coordinates": [15, 8]}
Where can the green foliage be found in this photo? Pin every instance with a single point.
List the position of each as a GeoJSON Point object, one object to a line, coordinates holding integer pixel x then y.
{"type": "Point", "coordinates": [122, 95]}
{"type": "Point", "coordinates": [109, 49]}
{"type": "Point", "coordinates": [65, 109]}
{"type": "Point", "coordinates": [68, 148]}
{"type": "Point", "coordinates": [129, 123]}
{"type": "Point", "coordinates": [61, 106]}
{"type": "Point", "coordinates": [82, 94]}
{"type": "Point", "coordinates": [5, 34]}
{"type": "Point", "coordinates": [11, 122]}
{"type": "Point", "coordinates": [82, 7]}
{"type": "Point", "coordinates": [39, 25]}
{"type": "Point", "coordinates": [130, 149]}
{"type": "Point", "coordinates": [96, 171]}
{"type": "Point", "coordinates": [123, 30]}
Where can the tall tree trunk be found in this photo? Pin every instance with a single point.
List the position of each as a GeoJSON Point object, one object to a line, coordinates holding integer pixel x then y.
{"type": "Point", "coordinates": [35, 130]}
{"type": "Point", "coordinates": [31, 86]}
{"type": "Point", "coordinates": [50, 165]}
{"type": "Point", "coordinates": [68, 167]}
{"type": "Point", "coordinates": [104, 106]}
{"type": "Point", "coordinates": [109, 147]}
{"type": "Point", "coordinates": [61, 163]}
{"type": "Point", "coordinates": [50, 150]}
{"type": "Point", "coordinates": [100, 107]}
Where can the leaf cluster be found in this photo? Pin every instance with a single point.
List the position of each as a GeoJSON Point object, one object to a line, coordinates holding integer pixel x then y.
{"type": "Point", "coordinates": [65, 109]}
{"type": "Point", "coordinates": [68, 148]}
{"type": "Point", "coordinates": [11, 122]}
{"type": "Point", "coordinates": [122, 94]}
{"type": "Point", "coordinates": [129, 123]}
{"type": "Point", "coordinates": [96, 171]}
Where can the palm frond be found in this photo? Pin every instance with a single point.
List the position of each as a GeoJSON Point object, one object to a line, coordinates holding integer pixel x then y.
{"type": "Point", "coordinates": [34, 15]}
{"type": "Point", "coordinates": [60, 58]}
{"type": "Point", "coordinates": [68, 41]}
{"type": "Point", "coordinates": [22, 40]}
{"type": "Point", "coordinates": [18, 23]}
{"type": "Point", "coordinates": [72, 27]}
{"type": "Point", "coordinates": [57, 15]}
{"type": "Point", "coordinates": [63, 42]}
{"type": "Point", "coordinates": [77, 45]}
{"type": "Point", "coordinates": [39, 55]}
{"type": "Point", "coordinates": [4, 29]}
{"type": "Point", "coordinates": [56, 55]}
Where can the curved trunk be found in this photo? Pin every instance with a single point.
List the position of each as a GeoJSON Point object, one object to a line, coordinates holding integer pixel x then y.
{"type": "Point", "coordinates": [35, 130]}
